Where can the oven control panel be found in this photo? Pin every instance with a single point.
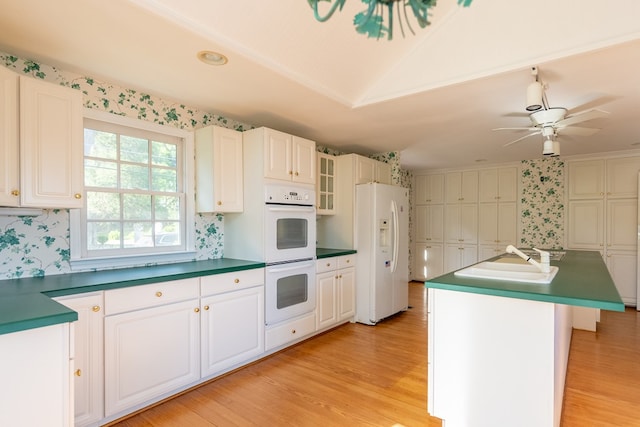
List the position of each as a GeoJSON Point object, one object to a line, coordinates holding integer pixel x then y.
{"type": "Point", "coordinates": [289, 195]}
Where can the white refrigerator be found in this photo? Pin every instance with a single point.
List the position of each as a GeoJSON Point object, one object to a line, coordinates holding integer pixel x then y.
{"type": "Point", "coordinates": [382, 236]}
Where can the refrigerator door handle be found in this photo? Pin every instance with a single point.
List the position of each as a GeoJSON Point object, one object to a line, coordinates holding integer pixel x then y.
{"type": "Point", "coordinates": [394, 216]}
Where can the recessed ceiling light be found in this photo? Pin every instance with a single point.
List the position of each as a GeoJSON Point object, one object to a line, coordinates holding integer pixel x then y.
{"type": "Point", "coordinates": [212, 58]}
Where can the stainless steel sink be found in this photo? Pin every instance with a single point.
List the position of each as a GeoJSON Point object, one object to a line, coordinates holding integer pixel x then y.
{"type": "Point", "coordinates": [508, 271]}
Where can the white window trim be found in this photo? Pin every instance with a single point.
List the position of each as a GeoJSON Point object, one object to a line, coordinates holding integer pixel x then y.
{"type": "Point", "coordinates": [79, 263]}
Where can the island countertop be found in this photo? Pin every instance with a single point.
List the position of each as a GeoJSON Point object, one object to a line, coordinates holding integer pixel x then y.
{"type": "Point", "coordinates": [582, 280]}
{"type": "Point", "coordinates": [26, 303]}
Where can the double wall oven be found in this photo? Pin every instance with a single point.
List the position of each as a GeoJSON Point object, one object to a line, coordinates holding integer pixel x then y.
{"type": "Point", "coordinates": [289, 251]}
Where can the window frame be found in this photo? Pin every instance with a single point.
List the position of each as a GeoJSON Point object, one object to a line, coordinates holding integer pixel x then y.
{"type": "Point", "coordinates": [81, 261]}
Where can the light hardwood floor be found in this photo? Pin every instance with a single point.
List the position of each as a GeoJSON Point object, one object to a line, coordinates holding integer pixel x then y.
{"type": "Point", "coordinates": [357, 375]}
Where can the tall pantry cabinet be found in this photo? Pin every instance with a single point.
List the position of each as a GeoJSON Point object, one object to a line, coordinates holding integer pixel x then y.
{"type": "Point", "coordinates": [428, 247]}
{"type": "Point", "coordinates": [460, 219]}
{"type": "Point", "coordinates": [603, 215]}
{"type": "Point", "coordinates": [497, 210]}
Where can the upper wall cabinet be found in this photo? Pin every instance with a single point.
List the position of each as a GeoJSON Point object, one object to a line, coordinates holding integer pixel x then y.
{"type": "Point", "coordinates": [614, 178]}
{"type": "Point", "coordinates": [46, 131]}
{"type": "Point", "coordinates": [461, 187]}
{"type": "Point", "coordinates": [370, 170]}
{"type": "Point", "coordinates": [498, 185]}
{"type": "Point", "coordinates": [326, 184]}
{"type": "Point", "coordinates": [429, 189]}
{"type": "Point", "coordinates": [289, 157]}
{"type": "Point", "coordinates": [218, 170]}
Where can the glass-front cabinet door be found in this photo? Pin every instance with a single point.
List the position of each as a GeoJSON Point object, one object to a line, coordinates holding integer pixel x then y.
{"type": "Point", "coordinates": [326, 182]}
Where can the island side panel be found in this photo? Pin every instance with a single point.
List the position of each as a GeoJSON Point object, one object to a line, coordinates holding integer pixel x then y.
{"type": "Point", "coordinates": [493, 360]}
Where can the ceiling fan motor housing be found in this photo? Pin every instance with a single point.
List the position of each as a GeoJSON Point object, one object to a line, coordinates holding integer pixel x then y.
{"type": "Point", "coordinates": [548, 117]}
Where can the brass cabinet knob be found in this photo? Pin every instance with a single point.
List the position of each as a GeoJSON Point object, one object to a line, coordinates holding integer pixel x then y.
{"type": "Point", "coordinates": [293, 331]}
{"type": "Point", "coordinates": [290, 172]}
{"type": "Point", "coordinates": [219, 203]}
{"type": "Point", "coordinates": [206, 307]}
{"type": "Point", "coordinates": [296, 173]}
{"type": "Point", "coordinates": [348, 261]}
{"type": "Point", "coordinates": [197, 310]}
{"type": "Point", "coordinates": [158, 294]}
{"type": "Point", "coordinates": [78, 196]}
{"type": "Point", "coordinates": [236, 280]}
{"type": "Point", "coordinates": [15, 192]}
{"type": "Point", "coordinates": [95, 308]}
{"type": "Point", "coordinates": [78, 373]}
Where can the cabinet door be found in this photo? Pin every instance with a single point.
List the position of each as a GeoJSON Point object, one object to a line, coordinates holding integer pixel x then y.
{"type": "Point", "coordinates": [365, 170]}
{"type": "Point", "coordinates": [429, 223]}
{"type": "Point", "coordinates": [383, 173]}
{"type": "Point", "coordinates": [232, 328]}
{"type": "Point", "coordinates": [623, 270]}
{"type": "Point", "coordinates": [507, 224]}
{"type": "Point", "coordinates": [429, 189]}
{"type": "Point", "coordinates": [88, 338]}
{"type": "Point", "coordinates": [452, 186]}
{"type": "Point", "coordinates": [149, 353]}
{"type": "Point", "coordinates": [51, 145]}
{"type": "Point", "coordinates": [219, 170]}
{"type": "Point", "coordinates": [428, 261]}
{"type": "Point", "coordinates": [459, 256]}
{"type": "Point", "coordinates": [325, 184]}
{"type": "Point", "coordinates": [622, 224]}
{"type": "Point", "coordinates": [461, 224]}
{"type": "Point", "coordinates": [586, 179]}
{"type": "Point", "coordinates": [277, 155]}
{"type": "Point", "coordinates": [326, 314]}
{"type": "Point", "coordinates": [9, 140]}
{"type": "Point", "coordinates": [622, 177]}
{"type": "Point", "coordinates": [507, 184]}
{"type": "Point", "coordinates": [461, 187]}
{"type": "Point", "coordinates": [346, 293]}
{"type": "Point", "coordinates": [488, 251]}
{"type": "Point", "coordinates": [488, 224]}
{"type": "Point", "coordinates": [304, 160]}
{"type": "Point", "coordinates": [586, 224]}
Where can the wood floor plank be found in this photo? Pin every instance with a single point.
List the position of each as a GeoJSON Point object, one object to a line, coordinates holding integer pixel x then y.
{"type": "Point", "coordinates": [358, 375]}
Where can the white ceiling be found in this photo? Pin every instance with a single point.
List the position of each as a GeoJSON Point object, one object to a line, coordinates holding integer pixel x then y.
{"type": "Point", "coordinates": [433, 96]}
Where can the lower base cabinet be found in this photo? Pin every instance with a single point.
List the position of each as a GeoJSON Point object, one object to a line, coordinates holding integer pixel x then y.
{"type": "Point", "coordinates": [149, 353]}
{"type": "Point", "coordinates": [459, 256]}
{"type": "Point", "coordinates": [335, 287]}
{"type": "Point", "coordinates": [88, 371]}
{"type": "Point", "coordinates": [428, 261]}
{"type": "Point", "coordinates": [290, 331]}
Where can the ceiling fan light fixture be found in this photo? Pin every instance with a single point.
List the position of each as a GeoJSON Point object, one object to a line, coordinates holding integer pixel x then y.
{"type": "Point", "coordinates": [556, 148]}
{"type": "Point", "coordinates": [534, 96]}
{"type": "Point", "coordinates": [547, 148]}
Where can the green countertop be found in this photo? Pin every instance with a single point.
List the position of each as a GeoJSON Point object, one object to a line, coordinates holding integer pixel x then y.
{"type": "Point", "coordinates": [328, 253]}
{"type": "Point", "coordinates": [582, 280]}
{"type": "Point", "coordinates": [26, 303]}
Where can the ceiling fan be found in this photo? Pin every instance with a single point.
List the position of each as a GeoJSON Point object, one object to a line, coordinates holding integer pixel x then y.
{"type": "Point", "coordinates": [552, 121]}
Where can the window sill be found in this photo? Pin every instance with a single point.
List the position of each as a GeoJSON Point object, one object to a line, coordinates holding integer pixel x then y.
{"type": "Point", "coordinates": [88, 264]}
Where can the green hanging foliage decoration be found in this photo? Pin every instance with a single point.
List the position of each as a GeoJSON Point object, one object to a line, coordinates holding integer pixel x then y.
{"type": "Point", "coordinates": [371, 21]}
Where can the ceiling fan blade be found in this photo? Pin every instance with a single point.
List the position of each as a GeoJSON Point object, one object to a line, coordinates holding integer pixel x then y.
{"type": "Point", "coordinates": [592, 102]}
{"type": "Point", "coordinates": [520, 139]}
{"type": "Point", "coordinates": [520, 128]}
{"type": "Point", "coordinates": [577, 130]}
{"type": "Point", "coordinates": [580, 117]}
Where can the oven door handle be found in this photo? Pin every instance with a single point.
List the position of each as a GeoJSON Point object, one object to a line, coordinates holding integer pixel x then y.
{"type": "Point", "coordinates": [309, 209]}
{"type": "Point", "coordinates": [284, 267]}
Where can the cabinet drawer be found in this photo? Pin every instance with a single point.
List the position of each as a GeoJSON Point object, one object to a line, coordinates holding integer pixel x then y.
{"type": "Point", "coordinates": [220, 283]}
{"type": "Point", "coordinates": [138, 297]}
{"type": "Point", "coordinates": [326, 264]}
{"type": "Point", "coordinates": [290, 331]}
{"type": "Point", "coordinates": [347, 261]}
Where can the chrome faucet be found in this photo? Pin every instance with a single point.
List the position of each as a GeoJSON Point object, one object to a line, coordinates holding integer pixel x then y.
{"type": "Point", "coordinates": [544, 264]}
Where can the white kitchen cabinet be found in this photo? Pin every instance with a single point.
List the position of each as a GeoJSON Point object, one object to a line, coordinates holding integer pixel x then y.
{"type": "Point", "coordinates": [498, 185]}
{"type": "Point", "coordinates": [497, 224]}
{"type": "Point", "coordinates": [9, 139]}
{"type": "Point", "coordinates": [88, 339]}
{"type": "Point", "coordinates": [603, 215]}
{"type": "Point", "coordinates": [232, 320]}
{"type": "Point", "coordinates": [326, 184]}
{"type": "Point", "coordinates": [152, 343]}
{"type": "Point", "coordinates": [36, 369]}
{"type": "Point", "coordinates": [49, 140]}
{"type": "Point", "coordinates": [370, 170]}
{"type": "Point", "coordinates": [289, 332]}
{"type": "Point", "coordinates": [428, 260]}
{"type": "Point", "coordinates": [335, 285]}
{"type": "Point", "coordinates": [461, 223]}
{"type": "Point", "coordinates": [461, 187]}
{"type": "Point", "coordinates": [429, 189]}
{"type": "Point", "coordinates": [459, 256]}
{"type": "Point", "coordinates": [219, 182]}
{"type": "Point", "coordinates": [429, 220]}
{"type": "Point", "coordinates": [284, 157]}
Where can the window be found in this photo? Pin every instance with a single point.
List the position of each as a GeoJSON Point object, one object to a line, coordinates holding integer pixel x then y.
{"type": "Point", "coordinates": [136, 192]}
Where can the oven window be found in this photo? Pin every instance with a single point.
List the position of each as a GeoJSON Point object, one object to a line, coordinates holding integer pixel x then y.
{"type": "Point", "coordinates": [291, 290]}
{"type": "Point", "coordinates": [291, 233]}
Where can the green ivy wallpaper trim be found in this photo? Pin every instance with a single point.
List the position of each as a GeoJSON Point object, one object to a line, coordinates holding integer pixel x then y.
{"type": "Point", "coordinates": [542, 203]}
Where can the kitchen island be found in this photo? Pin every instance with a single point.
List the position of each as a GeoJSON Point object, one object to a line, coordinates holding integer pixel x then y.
{"type": "Point", "coordinates": [498, 349]}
